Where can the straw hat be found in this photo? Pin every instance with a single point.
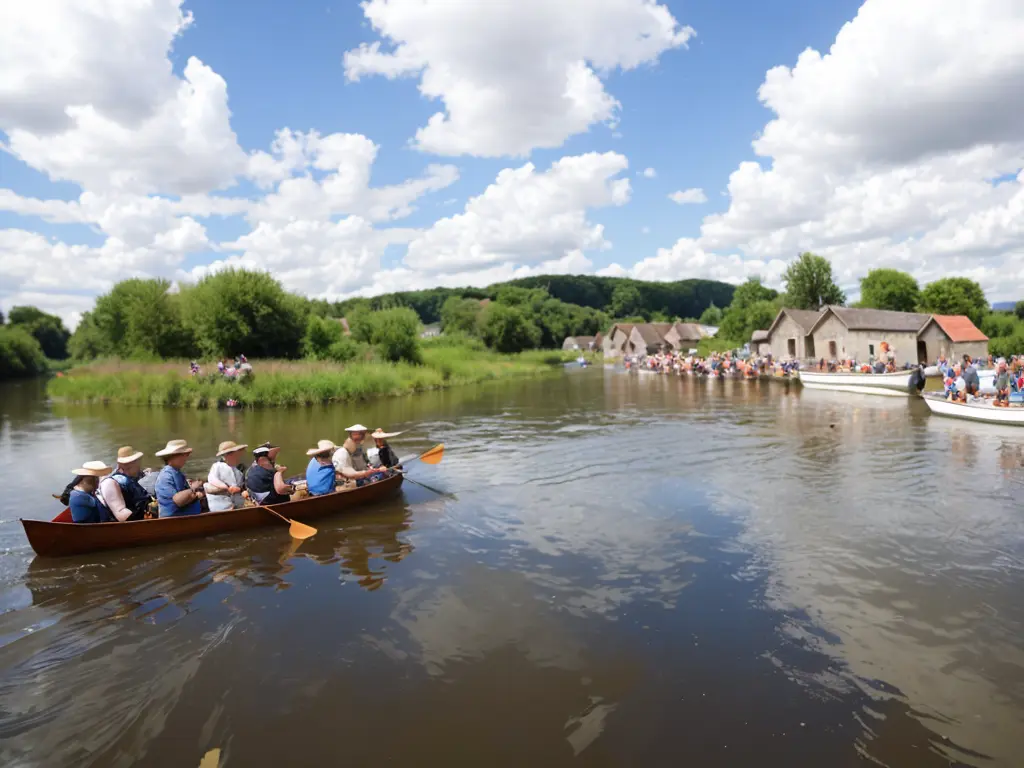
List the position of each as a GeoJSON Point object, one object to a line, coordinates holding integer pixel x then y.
{"type": "Point", "coordinates": [380, 434]}
{"type": "Point", "coordinates": [323, 446]}
{"type": "Point", "coordinates": [230, 446]}
{"type": "Point", "coordinates": [93, 469]}
{"type": "Point", "coordinates": [356, 428]}
{"type": "Point", "coordinates": [174, 447]}
{"type": "Point", "coordinates": [126, 454]}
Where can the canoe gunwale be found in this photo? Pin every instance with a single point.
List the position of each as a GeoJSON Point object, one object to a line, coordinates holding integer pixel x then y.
{"type": "Point", "coordinates": [50, 538]}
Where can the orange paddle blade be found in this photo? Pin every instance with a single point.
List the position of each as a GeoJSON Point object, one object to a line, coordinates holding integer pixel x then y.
{"type": "Point", "coordinates": [434, 455]}
{"type": "Point", "coordinates": [301, 530]}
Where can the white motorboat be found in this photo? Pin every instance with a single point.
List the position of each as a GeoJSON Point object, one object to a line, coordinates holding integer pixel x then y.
{"type": "Point", "coordinates": [899, 384]}
{"type": "Point", "coordinates": [976, 410]}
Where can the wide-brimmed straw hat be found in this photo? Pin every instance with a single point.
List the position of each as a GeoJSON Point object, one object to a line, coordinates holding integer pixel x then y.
{"type": "Point", "coordinates": [357, 428]}
{"type": "Point", "coordinates": [93, 469]}
{"type": "Point", "coordinates": [173, 448]}
{"type": "Point", "coordinates": [380, 434]}
{"type": "Point", "coordinates": [322, 446]}
{"type": "Point", "coordinates": [126, 454]}
{"type": "Point", "coordinates": [230, 446]}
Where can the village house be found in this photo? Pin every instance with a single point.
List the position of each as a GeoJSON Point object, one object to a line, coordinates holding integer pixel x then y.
{"type": "Point", "coordinates": [789, 336]}
{"type": "Point", "coordinates": [843, 333]}
{"type": "Point", "coordinates": [759, 344]}
{"type": "Point", "coordinates": [637, 339]}
{"type": "Point", "coordinates": [579, 343]}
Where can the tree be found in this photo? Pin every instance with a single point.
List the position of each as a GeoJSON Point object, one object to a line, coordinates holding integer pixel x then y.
{"type": "Point", "coordinates": [459, 315]}
{"type": "Point", "coordinates": [141, 318]}
{"type": "Point", "coordinates": [88, 342]}
{"type": "Point", "coordinates": [396, 334]}
{"type": "Point", "coordinates": [809, 283]}
{"type": "Point", "coordinates": [955, 296]}
{"type": "Point", "coordinates": [1018, 309]}
{"type": "Point", "coordinates": [999, 325]}
{"type": "Point", "coordinates": [507, 330]}
{"type": "Point", "coordinates": [889, 289]}
{"type": "Point", "coordinates": [711, 316]}
{"type": "Point", "coordinates": [47, 329]}
{"type": "Point", "coordinates": [238, 311]}
{"type": "Point", "coordinates": [625, 301]}
{"type": "Point", "coordinates": [20, 353]}
{"type": "Point", "coordinates": [736, 325]}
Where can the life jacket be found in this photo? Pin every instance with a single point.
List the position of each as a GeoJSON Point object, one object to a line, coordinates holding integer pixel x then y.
{"type": "Point", "coordinates": [135, 497]}
{"type": "Point", "coordinates": [360, 463]}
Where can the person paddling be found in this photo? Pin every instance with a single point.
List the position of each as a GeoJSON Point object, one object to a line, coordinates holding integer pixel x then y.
{"type": "Point", "coordinates": [382, 454]}
{"type": "Point", "coordinates": [351, 462]}
{"type": "Point", "coordinates": [85, 507]}
{"type": "Point", "coordinates": [175, 495]}
{"type": "Point", "coordinates": [320, 475]}
{"type": "Point", "coordinates": [120, 492]}
{"type": "Point", "coordinates": [224, 485]}
{"type": "Point", "coordinates": [265, 479]}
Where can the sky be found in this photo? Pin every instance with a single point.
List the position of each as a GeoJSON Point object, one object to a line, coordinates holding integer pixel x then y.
{"type": "Point", "coordinates": [355, 149]}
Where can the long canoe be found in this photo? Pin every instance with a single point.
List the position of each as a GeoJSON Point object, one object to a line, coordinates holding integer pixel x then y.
{"type": "Point", "coordinates": [61, 537]}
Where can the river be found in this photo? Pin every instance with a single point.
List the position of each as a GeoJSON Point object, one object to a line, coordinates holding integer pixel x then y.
{"type": "Point", "coordinates": [626, 570]}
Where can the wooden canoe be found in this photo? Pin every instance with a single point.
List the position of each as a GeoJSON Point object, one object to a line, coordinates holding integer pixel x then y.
{"type": "Point", "coordinates": [61, 537]}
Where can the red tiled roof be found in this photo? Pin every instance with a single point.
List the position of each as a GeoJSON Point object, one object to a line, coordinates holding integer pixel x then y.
{"type": "Point", "coordinates": [959, 328]}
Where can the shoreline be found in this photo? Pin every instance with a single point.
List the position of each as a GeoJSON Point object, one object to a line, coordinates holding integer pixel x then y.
{"type": "Point", "coordinates": [284, 383]}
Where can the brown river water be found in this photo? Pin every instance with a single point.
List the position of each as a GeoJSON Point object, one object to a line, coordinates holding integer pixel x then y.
{"type": "Point", "coordinates": [626, 570]}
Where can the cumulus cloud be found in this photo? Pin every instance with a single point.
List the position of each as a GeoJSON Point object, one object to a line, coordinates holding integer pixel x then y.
{"type": "Point", "coordinates": [512, 76]}
{"type": "Point", "coordinates": [689, 196]}
{"type": "Point", "coordinates": [649, 173]}
{"type": "Point", "coordinates": [899, 147]}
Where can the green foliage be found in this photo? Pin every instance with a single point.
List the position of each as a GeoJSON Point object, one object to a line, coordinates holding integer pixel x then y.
{"type": "Point", "coordinates": [507, 329]}
{"type": "Point", "coordinates": [999, 324]}
{"type": "Point", "coordinates": [626, 300]}
{"type": "Point", "coordinates": [889, 289]}
{"type": "Point", "coordinates": [711, 316]}
{"type": "Point", "coordinates": [748, 309]}
{"type": "Point", "coordinates": [717, 344]}
{"type": "Point", "coordinates": [137, 319]}
{"type": "Point", "coordinates": [321, 334]}
{"type": "Point", "coordinates": [460, 315]}
{"type": "Point", "coordinates": [1018, 309]}
{"type": "Point", "coordinates": [48, 330]}
{"type": "Point", "coordinates": [809, 283]}
{"type": "Point", "coordinates": [241, 312]}
{"type": "Point", "coordinates": [88, 341]}
{"type": "Point", "coordinates": [395, 333]}
{"type": "Point", "coordinates": [1004, 346]}
{"type": "Point", "coordinates": [20, 353]}
{"type": "Point", "coordinates": [955, 296]}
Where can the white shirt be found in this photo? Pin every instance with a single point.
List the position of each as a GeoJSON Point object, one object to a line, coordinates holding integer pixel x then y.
{"type": "Point", "coordinates": [219, 500]}
{"type": "Point", "coordinates": [343, 463]}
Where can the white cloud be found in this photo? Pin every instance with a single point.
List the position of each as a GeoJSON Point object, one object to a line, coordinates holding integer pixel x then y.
{"type": "Point", "coordinates": [513, 77]}
{"type": "Point", "coordinates": [87, 94]}
{"type": "Point", "coordinates": [689, 196]}
{"type": "Point", "coordinates": [883, 153]}
{"type": "Point", "coordinates": [649, 173]}
{"type": "Point", "coordinates": [526, 217]}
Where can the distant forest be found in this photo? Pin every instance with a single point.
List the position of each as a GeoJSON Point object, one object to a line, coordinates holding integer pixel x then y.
{"type": "Point", "coordinates": [618, 297]}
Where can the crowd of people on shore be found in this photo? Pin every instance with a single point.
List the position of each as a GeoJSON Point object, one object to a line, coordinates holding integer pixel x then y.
{"type": "Point", "coordinates": [225, 367]}
{"type": "Point", "coordinates": [126, 492]}
{"type": "Point", "coordinates": [715, 364]}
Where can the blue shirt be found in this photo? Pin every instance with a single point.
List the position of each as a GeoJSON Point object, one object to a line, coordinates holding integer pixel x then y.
{"type": "Point", "coordinates": [169, 482]}
{"type": "Point", "coordinates": [85, 507]}
{"type": "Point", "coordinates": [319, 478]}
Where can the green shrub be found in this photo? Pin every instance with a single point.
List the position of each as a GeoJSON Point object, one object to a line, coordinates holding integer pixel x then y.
{"type": "Point", "coordinates": [20, 354]}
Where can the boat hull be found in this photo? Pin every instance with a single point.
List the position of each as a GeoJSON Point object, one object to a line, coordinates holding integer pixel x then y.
{"type": "Point", "coordinates": [61, 537]}
{"type": "Point", "coordinates": [982, 412]}
{"type": "Point", "coordinates": [884, 384]}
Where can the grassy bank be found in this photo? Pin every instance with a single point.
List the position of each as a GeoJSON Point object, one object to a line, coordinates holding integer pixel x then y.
{"type": "Point", "coordinates": [284, 383]}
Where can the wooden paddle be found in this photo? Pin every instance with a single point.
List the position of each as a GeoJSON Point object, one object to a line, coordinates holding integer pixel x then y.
{"type": "Point", "coordinates": [296, 529]}
{"type": "Point", "coordinates": [433, 456]}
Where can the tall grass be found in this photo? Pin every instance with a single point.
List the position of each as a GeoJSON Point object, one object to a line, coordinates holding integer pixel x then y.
{"type": "Point", "coordinates": [289, 383]}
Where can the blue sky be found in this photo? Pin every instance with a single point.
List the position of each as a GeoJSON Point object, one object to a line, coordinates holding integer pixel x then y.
{"type": "Point", "coordinates": [834, 174]}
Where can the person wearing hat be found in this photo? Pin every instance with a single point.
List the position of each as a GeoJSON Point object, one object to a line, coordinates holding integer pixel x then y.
{"type": "Point", "coordinates": [265, 479]}
{"type": "Point", "coordinates": [382, 454]}
{"type": "Point", "coordinates": [320, 477]}
{"type": "Point", "coordinates": [120, 491]}
{"type": "Point", "coordinates": [175, 495]}
{"type": "Point", "coordinates": [85, 507]}
{"type": "Point", "coordinates": [224, 484]}
{"type": "Point", "coordinates": [351, 461]}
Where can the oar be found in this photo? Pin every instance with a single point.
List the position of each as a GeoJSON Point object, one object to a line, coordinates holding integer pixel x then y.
{"type": "Point", "coordinates": [424, 485]}
{"type": "Point", "coordinates": [433, 456]}
{"type": "Point", "coordinates": [296, 529]}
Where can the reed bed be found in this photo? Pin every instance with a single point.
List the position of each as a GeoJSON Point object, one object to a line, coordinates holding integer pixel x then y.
{"type": "Point", "coordinates": [276, 383]}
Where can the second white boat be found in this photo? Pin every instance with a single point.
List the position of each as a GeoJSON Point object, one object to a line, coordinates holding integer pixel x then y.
{"type": "Point", "coordinates": [980, 410]}
{"type": "Point", "coordinates": [899, 384]}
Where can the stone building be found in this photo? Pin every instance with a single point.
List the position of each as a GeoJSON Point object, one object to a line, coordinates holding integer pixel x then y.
{"type": "Point", "coordinates": [843, 333]}
{"type": "Point", "coordinates": [952, 337]}
{"type": "Point", "coordinates": [789, 337]}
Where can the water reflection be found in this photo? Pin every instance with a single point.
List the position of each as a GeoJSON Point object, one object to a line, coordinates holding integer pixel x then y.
{"type": "Point", "coordinates": [629, 570]}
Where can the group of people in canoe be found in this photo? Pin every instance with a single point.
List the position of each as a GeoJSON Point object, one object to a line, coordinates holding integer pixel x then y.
{"type": "Point", "coordinates": [126, 492]}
